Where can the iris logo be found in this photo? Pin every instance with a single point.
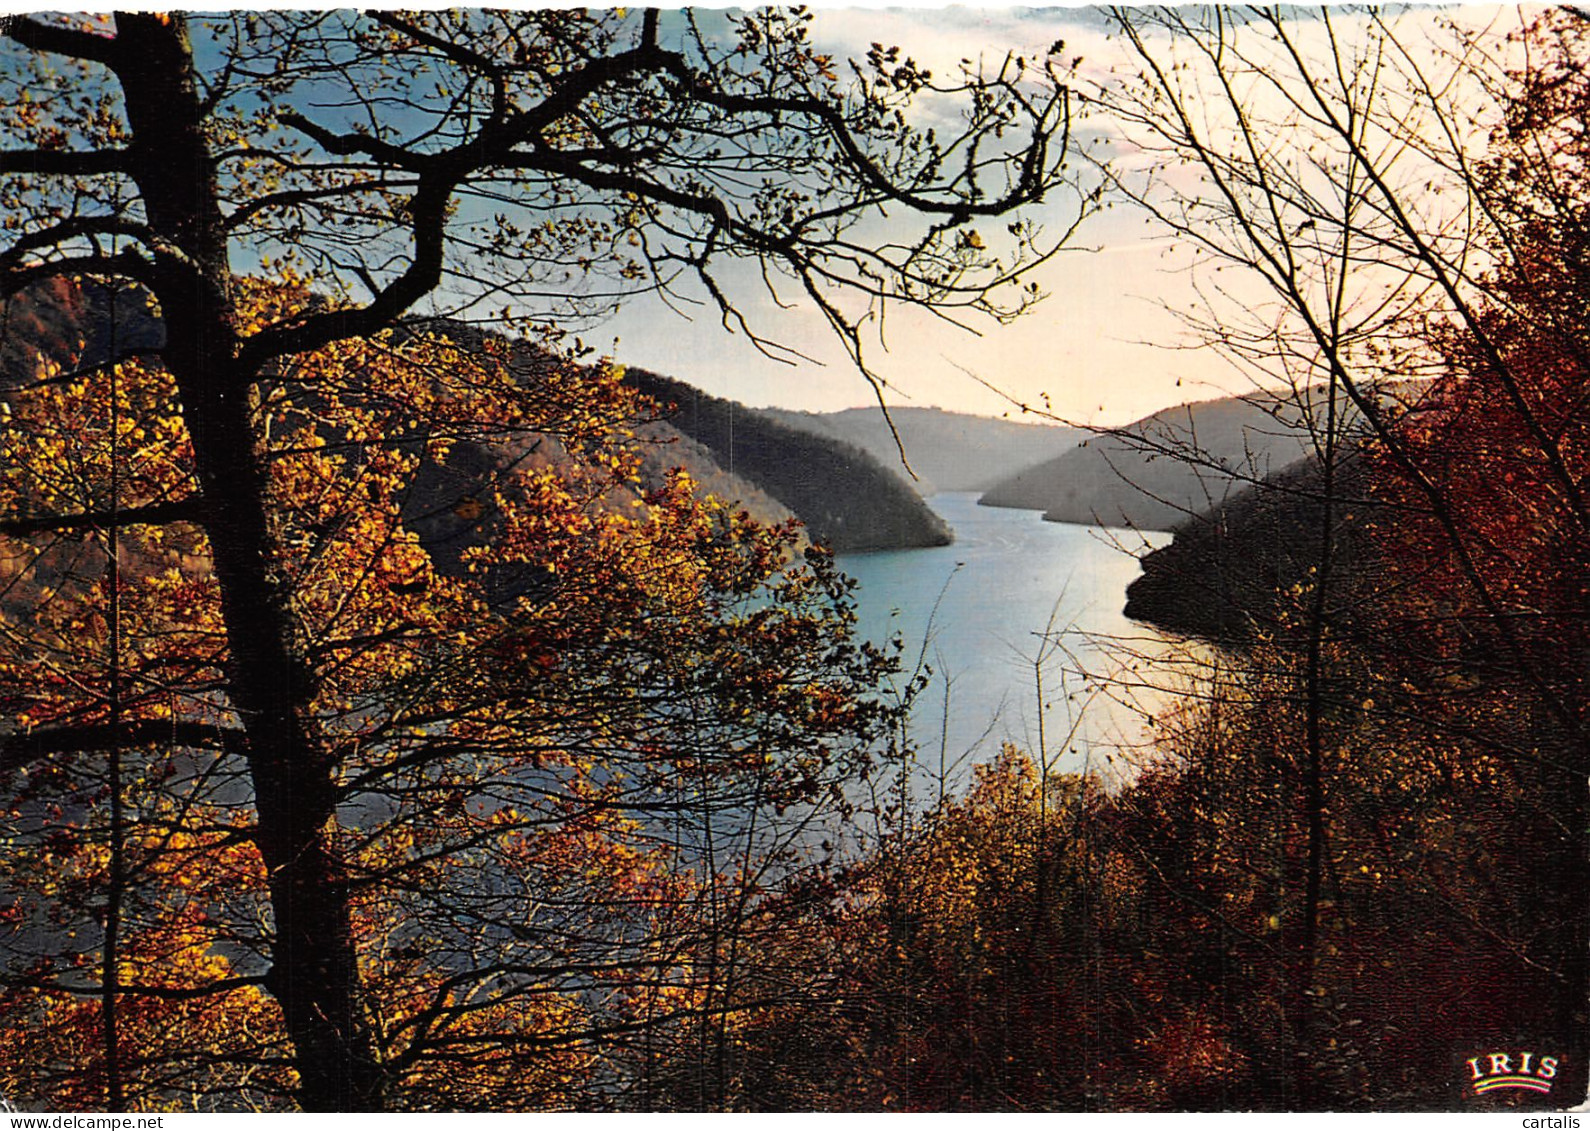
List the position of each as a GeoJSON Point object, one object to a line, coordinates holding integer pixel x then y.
{"type": "Point", "coordinates": [1527, 1071]}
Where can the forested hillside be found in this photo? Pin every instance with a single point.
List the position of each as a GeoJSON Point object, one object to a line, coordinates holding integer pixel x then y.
{"type": "Point", "coordinates": [847, 498]}
{"type": "Point", "coordinates": [1158, 471]}
{"type": "Point", "coordinates": [844, 498]}
{"type": "Point", "coordinates": [1225, 573]}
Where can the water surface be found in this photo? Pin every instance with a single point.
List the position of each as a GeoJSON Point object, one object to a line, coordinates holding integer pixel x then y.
{"type": "Point", "coordinates": [1013, 604]}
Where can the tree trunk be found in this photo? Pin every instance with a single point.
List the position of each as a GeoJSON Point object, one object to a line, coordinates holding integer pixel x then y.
{"type": "Point", "coordinates": [314, 974]}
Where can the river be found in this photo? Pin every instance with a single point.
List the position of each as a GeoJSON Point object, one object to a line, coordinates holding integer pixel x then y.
{"type": "Point", "coordinates": [1013, 601]}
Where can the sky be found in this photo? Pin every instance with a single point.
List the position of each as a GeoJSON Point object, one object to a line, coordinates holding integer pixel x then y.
{"type": "Point", "coordinates": [1100, 347]}
{"type": "Point", "coordinates": [1105, 348]}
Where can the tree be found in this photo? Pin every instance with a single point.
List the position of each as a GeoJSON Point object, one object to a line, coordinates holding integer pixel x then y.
{"type": "Point", "coordinates": [322, 656]}
{"type": "Point", "coordinates": [1400, 209]}
{"type": "Point", "coordinates": [553, 699]}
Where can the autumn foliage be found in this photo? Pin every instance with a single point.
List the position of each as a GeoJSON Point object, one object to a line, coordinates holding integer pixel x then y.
{"type": "Point", "coordinates": [571, 714]}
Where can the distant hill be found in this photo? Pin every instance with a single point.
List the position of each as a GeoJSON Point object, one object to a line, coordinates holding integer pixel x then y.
{"type": "Point", "coordinates": [948, 451]}
{"type": "Point", "coordinates": [1157, 472]}
{"type": "Point", "coordinates": [848, 500]}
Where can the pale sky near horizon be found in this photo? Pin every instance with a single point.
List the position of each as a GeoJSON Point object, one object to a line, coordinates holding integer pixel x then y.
{"type": "Point", "coordinates": [1100, 346]}
{"type": "Point", "coordinates": [1103, 348]}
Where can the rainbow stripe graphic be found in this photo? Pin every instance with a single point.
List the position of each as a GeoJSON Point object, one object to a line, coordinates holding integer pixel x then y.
{"type": "Point", "coordinates": [1492, 1083]}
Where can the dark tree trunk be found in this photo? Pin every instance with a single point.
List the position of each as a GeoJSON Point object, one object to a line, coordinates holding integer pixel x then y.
{"type": "Point", "coordinates": [314, 974]}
